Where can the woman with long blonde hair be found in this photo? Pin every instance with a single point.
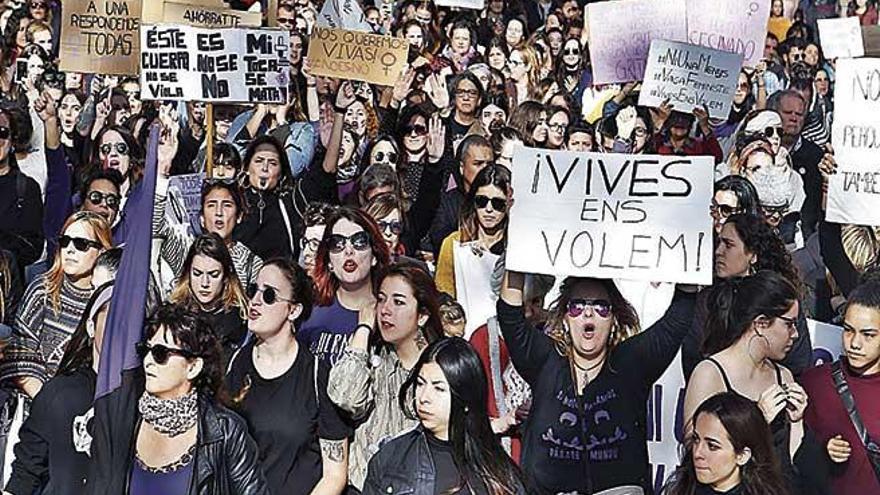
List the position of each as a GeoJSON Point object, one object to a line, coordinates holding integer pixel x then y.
{"type": "Point", "coordinates": [525, 74]}
{"type": "Point", "coordinates": [210, 287]}
{"type": "Point", "coordinates": [54, 303]}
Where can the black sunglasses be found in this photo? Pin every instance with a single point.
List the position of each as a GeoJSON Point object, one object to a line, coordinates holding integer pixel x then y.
{"type": "Point", "coordinates": [270, 294]}
{"type": "Point", "coordinates": [360, 241]}
{"type": "Point", "coordinates": [571, 51]}
{"type": "Point", "coordinates": [4, 132]}
{"type": "Point", "coordinates": [160, 352]}
{"type": "Point", "coordinates": [381, 155]}
{"type": "Point", "coordinates": [312, 244]}
{"type": "Point", "coordinates": [722, 210]}
{"type": "Point", "coordinates": [770, 131]}
{"type": "Point", "coordinates": [109, 199]}
{"type": "Point", "coordinates": [498, 204]}
{"type": "Point", "coordinates": [775, 210]}
{"type": "Point", "coordinates": [420, 130]}
{"type": "Point", "coordinates": [395, 226]}
{"type": "Point", "coordinates": [79, 243]}
{"type": "Point", "coordinates": [121, 148]}
{"type": "Point", "coordinates": [600, 307]}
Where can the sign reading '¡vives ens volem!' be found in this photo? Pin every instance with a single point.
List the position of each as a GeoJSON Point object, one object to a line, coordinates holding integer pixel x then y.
{"type": "Point", "coordinates": [214, 65]}
{"type": "Point", "coordinates": [640, 217]}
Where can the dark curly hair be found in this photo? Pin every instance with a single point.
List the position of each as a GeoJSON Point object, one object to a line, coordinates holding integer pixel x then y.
{"type": "Point", "coordinates": [301, 290]}
{"type": "Point", "coordinates": [192, 333]}
{"type": "Point", "coordinates": [760, 240]}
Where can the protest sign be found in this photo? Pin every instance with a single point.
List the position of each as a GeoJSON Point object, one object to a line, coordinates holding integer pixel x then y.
{"type": "Point", "coordinates": [347, 15]}
{"type": "Point", "coordinates": [621, 33]}
{"type": "Point", "coordinates": [854, 191]}
{"type": "Point", "coordinates": [871, 38]}
{"type": "Point", "coordinates": [736, 26]}
{"type": "Point", "coordinates": [208, 17]}
{"type": "Point", "coordinates": [841, 37]}
{"type": "Point", "coordinates": [463, 4]}
{"type": "Point", "coordinates": [225, 65]}
{"type": "Point", "coordinates": [357, 56]}
{"type": "Point", "coordinates": [186, 191]}
{"type": "Point", "coordinates": [100, 36]}
{"type": "Point", "coordinates": [641, 217]}
{"type": "Point", "coordinates": [690, 76]}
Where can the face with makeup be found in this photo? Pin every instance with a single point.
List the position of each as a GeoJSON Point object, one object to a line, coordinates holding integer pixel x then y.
{"type": "Point", "coordinates": [264, 169]}
{"type": "Point", "coordinates": [68, 112]}
{"type": "Point", "coordinates": [114, 152]}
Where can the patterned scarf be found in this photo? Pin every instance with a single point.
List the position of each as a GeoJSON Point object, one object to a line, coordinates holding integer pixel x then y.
{"type": "Point", "coordinates": [170, 417]}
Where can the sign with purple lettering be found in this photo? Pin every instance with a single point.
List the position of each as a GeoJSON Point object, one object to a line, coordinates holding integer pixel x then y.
{"type": "Point", "coordinates": [215, 65]}
{"type": "Point", "coordinates": [736, 26]}
{"type": "Point", "coordinates": [690, 76]}
{"type": "Point", "coordinates": [854, 191]}
{"type": "Point", "coordinates": [639, 217]}
{"type": "Point", "coordinates": [621, 33]}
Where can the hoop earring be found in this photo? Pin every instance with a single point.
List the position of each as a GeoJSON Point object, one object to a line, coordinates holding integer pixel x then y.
{"type": "Point", "coordinates": [420, 339]}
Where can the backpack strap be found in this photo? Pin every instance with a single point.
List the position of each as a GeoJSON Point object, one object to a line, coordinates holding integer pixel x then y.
{"type": "Point", "coordinates": [849, 404]}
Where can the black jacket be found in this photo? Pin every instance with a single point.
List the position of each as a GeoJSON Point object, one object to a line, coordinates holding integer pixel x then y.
{"type": "Point", "coordinates": [226, 458]}
{"type": "Point", "coordinates": [21, 217]}
{"type": "Point", "coordinates": [404, 465]}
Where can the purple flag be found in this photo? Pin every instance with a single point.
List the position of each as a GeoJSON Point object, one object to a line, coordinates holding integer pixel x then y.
{"type": "Point", "coordinates": [125, 321]}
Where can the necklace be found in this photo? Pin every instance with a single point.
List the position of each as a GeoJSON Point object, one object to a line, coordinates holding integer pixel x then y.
{"type": "Point", "coordinates": [170, 417]}
{"type": "Point", "coordinates": [588, 368]}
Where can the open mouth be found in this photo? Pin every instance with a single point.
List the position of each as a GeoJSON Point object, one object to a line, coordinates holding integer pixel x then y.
{"type": "Point", "coordinates": [349, 266]}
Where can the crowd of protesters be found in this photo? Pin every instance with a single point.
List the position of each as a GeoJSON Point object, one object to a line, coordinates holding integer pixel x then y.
{"type": "Point", "coordinates": [341, 319]}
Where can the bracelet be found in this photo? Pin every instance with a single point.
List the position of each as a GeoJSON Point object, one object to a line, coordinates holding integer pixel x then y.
{"type": "Point", "coordinates": [338, 109]}
{"type": "Point", "coordinates": [363, 325]}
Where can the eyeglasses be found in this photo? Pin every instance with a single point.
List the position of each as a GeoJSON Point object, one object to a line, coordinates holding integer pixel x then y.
{"type": "Point", "coordinates": [470, 93]}
{"type": "Point", "coordinates": [381, 156]}
{"type": "Point", "coordinates": [160, 352]}
{"type": "Point", "coordinates": [121, 148]}
{"type": "Point", "coordinates": [4, 132]}
{"type": "Point", "coordinates": [498, 204]}
{"type": "Point", "coordinates": [600, 307]}
{"type": "Point", "coordinates": [79, 243]}
{"type": "Point", "coordinates": [418, 130]}
{"type": "Point", "coordinates": [312, 244]}
{"type": "Point", "coordinates": [109, 199]}
{"type": "Point", "coordinates": [515, 63]}
{"type": "Point", "coordinates": [360, 241]}
{"type": "Point", "coordinates": [774, 211]}
{"type": "Point", "coordinates": [722, 210]}
{"type": "Point", "coordinates": [790, 323]}
{"type": "Point", "coordinates": [395, 226]}
{"type": "Point", "coordinates": [270, 294]}
{"type": "Point", "coordinates": [558, 127]}
{"type": "Point", "coordinates": [38, 5]}
{"type": "Point", "coordinates": [769, 132]}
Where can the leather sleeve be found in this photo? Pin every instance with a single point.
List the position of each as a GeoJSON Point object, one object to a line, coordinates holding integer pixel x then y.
{"type": "Point", "coordinates": [245, 475]}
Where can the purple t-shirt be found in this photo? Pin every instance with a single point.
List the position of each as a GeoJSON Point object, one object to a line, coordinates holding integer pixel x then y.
{"type": "Point", "coordinates": [328, 330]}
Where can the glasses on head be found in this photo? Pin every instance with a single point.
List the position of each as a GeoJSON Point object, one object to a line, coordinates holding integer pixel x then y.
{"type": "Point", "coordinates": [470, 93]}
{"type": "Point", "coordinates": [109, 199]}
{"type": "Point", "coordinates": [311, 244]}
{"type": "Point", "coordinates": [417, 129]}
{"type": "Point", "coordinates": [270, 294]}
{"type": "Point", "coordinates": [121, 148]}
{"type": "Point", "coordinates": [771, 131]}
{"type": "Point", "coordinates": [5, 132]}
{"type": "Point", "coordinates": [381, 156]}
{"type": "Point", "coordinates": [360, 241]}
{"type": "Point", "coordinates": [723, 211]}
{"type": "Point", "coordinates": [160, 352]}
{"type": "Point", "coordinates": [599, 307]}
{"type": "Point", "coordinates": [79, 243]}
{"type": "Point", "coordinates": [498, 204]}
{"type": "Point", "coordinates": [394, 226]}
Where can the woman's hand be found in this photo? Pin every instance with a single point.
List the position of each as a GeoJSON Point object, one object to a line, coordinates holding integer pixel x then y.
{"type": "Point", "coordinates": [772, 401]}
{"type": "Point", "coordinates": [626, 122]}
{"type": "Point", "coordinates": [402, 85]}
{"type": "Point", "coordinates": [503, 424]}
{"type": "Point", "coordinates": [367, 313]}
{"type": "Point", "coordinates": [796, 401]}
{"type": "Point", "coordinates": [660, 114]}
{"type": "Point", "coordinates": [436, 139]}
{"type": "Point", "coordinates": [168, 138]}
{"type": "Point", "coordinates": [345, 96]}
{"type": "Point", "coordinates": [435, 86]}
{"type": "Point", "coordinates": [45, 107]}
{"type": "Point", "coordinates": [838, 449]}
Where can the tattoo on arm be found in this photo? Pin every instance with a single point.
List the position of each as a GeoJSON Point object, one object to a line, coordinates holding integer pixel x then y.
{"type": "Point", "coordinates": [334, 450]}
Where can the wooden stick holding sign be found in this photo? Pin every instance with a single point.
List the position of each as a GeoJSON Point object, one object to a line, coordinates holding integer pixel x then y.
{"type": "Point", "coordinates": [209, 140]}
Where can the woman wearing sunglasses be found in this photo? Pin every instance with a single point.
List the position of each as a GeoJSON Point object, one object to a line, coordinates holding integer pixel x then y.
{"type": "Point", "coordinates": [365, 381]}
{"type": "Point", "coordinates": [733, 194]}
{"type": "Point", "coordinates": [53, 304]}
{"type": "Point", "coordinates": [277, 387]}
{"type": "Point", "coordinates": [480, 240]}
{"type": "Point", "coordinates": [590, 372]}
{"type": "Point", "coordinates": [351, 255]}
{"type": "Point", "coordinates": [387, 210]}
{"type": "Point", "coordinates": [164, 429]}
{"type": "Point", "coordinates": [752, 325]}
{"type": "Point", "coordinates": [210, 288]}
{"type": "Point", "coordinates": [453, 450]}
{"type": "Point", "coordinates": [116, 148]}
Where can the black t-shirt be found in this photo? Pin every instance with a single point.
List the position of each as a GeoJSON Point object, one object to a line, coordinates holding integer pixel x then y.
{"type": "Point", "coordinates": [286, 417]}
{"type": "Point", "coordinates": [446, 474]}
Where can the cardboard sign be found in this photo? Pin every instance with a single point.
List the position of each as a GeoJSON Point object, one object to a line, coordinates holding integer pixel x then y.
{"type": "Point", "coordinates": [187, 190]}
{"type": "Point", "coordinates": [209, 17]}
{"type": "Point", "coordinates": [100, 36]}
{"type": "Point", "coordinates": [736, 26]}
{"type": "Point", "coordinates": [462, 4]}
{"type": "Point", "coordinates": [841, 37]}
{"type": "Point", "coordinates": [854, 191]}
{"type": "Point", "coordinates": [871, 38]}
{"type": "Point", "coordinates": [357, 56]}
{"type": "Point", "coordinates": [639, 217]}
{"type": "Point", "coordinates": [690, 76]}
{"type": "Point", "coordinates": [215, 65]}
{"type": "Point", "coordinates": [621, 33]}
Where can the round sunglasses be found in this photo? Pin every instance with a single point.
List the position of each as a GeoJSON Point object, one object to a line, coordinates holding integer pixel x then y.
{"type": "Point", "coordinates": [121, 148]}
{"type": "Point", "coordinates": [394, 226]}
{"type": "Point", "coordinates": [161, 353]}
{"type": "Point", "coordinates": [360, 241]}
{"type": "Point", "coordinates": [109, 199]}
{"type": "Point", "coordinates": [270, 294]}
{"type": "Point", "coordinates": [600, 307]}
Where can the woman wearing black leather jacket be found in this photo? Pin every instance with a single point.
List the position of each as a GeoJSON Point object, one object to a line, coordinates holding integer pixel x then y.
{"type": "Point", "coordinates": [453, 450]}
{"type": "Point", "coordinates": [163, 430]}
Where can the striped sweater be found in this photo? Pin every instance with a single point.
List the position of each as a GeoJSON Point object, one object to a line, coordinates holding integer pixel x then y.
{"type": "Point", "coordinates": [40, 335]}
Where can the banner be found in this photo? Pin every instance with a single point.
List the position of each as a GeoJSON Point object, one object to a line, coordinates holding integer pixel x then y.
{"type": "Point", "coordinates": [209, 17]}
{"type": "Point", "coordinates": [690, 76]}
{"type": "Point", "coordinates": [854, 191]}
{"type": "Point", "coordinates": [357, 56]}
{"type": "Point", "coordinates": [736, 26]}
{"type": "Point", "coordinates": [621, 33]}
{"type": "Point", "coordinates": [841, 37]}
{"type": "Point", "coordinates": [639, 217]}
{"type": "Point", "coordinates": [215, 65]}
{"type": "Point", "coordinates": [100, 36]}
{"type": "Point", "coordinates": [186, 190]}
{"type": "Point", "coordinates": [462, 4]}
